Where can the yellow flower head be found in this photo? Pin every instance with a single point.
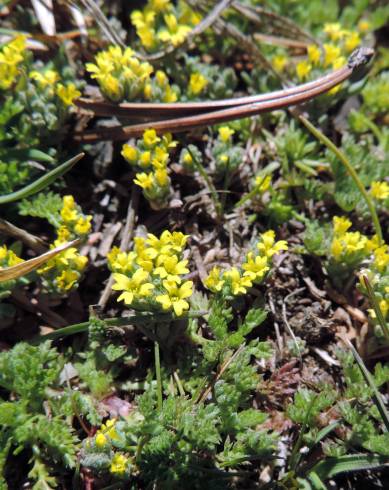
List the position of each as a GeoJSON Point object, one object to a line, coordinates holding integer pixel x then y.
{"type": "Point", "coordinates": [170, 267]}
{"type": "Point", "coordinates": [66, 279]}
{"type": "Point", "coordinates": [279, 62]}
{"type": "Point", "coordinates": [67, 93]}
{"type": "Point", "coordinates": [83, 225]}
{"type": "Point", "coordinates": [214, 282]}
{"type": "Point", "coordinates": [146, 181]}
{"type": "Point", "coordinates": [314, 54]}
{"type": "Point", "coordinates": [352, 41]}
{"type": "Point", "coordinates": [175, 296]}
{"type": "Point", "coordinates": [262, 184]}
{"type": "Point", "coordinates": [331, 53]}
{"type": "Point", "coordinates": [150, 138]}
{"type": "Point", "coordinates": [381, 258]}
{"type": "Point", "coordinates": [130, 153]}
{"type": "Point", "coordinates": [303, 69]}
{"type": "Point", "coordinates": [341, 224]}
{"type": "Point", "coordinates": [162, 177]}
{"type": "Point", "coordinates": [363, 25]}
{"type": "Point", "coordinates": [239, 284]}
{"type": "Point", "coordinates": [225, 133]}
{"type": "Point", "coordinates": [118, 464]}
{"type": "Point", "coordinates": [334, 31]}
{"type": "Point", "coordinates": [268, 246]}
{"type": "Point", "coordinates": [197, 83]}
{"type": "Point", "coordinates": [45, 79]}
{"type": "Point", "coordinates": [133, 288]}
{"type": "Point", "coordinates": [100, 440]}
{"type": "Point", "coordinates": [379, 190]}
{"type": "Point", "coordinates": [255, 267]}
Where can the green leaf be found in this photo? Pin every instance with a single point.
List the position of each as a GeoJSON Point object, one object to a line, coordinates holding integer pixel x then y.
{"type": "Point", "coordinates": [42, 182]}
{"type": "Point", "coordinates": [330, 467]}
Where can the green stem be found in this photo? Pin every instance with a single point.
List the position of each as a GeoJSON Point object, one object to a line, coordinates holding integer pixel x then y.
{"type": "Point", "coordinates": [343, 159]}
{"type": "Point", "coordinates": [112, 322]}
{"type": "Point", "coordinates": [158, 374]}
{"type": "Point", "coordinates": [246, 197]}
{"type": "Point", "coordinates": [376, 307]}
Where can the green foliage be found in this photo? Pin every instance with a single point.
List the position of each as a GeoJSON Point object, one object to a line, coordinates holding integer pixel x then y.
{"type": "Point", "coordinates": [45, 205]}
{"type": "Point", "coordinates": [31, 374]}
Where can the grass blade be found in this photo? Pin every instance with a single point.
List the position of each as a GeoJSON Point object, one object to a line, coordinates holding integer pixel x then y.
{"type": "Point", "coordinates": [331, 467]}
{"type": "Point", "coordinates": [370, 381]}
{"type": "Point", "coordinates": [42, 182]}
{"type": "Point", "coordinates": [18, 270]}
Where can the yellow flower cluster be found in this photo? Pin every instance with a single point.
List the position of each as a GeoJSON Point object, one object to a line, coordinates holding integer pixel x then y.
{"type": "Point", "coordinates": [122, 76]}
{"type": "Point", "coordinates": [151, 275]}
{"type": "Point", "coordinates": [63, 272]}
{"type": "Point", "coordinates": [262, 184]}
{"type": "Point", "coordinates": [339, 43]}
{"type": "Point", "coordinates": [254, 268]}
{"type": "Point", "coordinates": [161, 23]}
{"type": "Point", "coordinates": [151, 155]}
{"type": "Point", "coordinates": [74, 222]}
{"type": "Point", "coordinates": [48, 80]}
{"type": "Point", "coordinates": [348, 247]}
{"type": "Point", "coordinates": [11, 55]}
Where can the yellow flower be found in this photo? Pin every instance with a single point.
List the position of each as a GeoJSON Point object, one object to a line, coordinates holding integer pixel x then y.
{"type": "Point", "coordinates": [174, 32]}
{"type": "Point", "coordinates": [279, 62]}
{"type": "Point", "coordinates": [83, 225]}
{"type": "Point", "coordinates": [363, 25]}
{"type": "Point", "coordinates": [175, 296]}
{"type": "Point", "coordinates": [129, 153]}
{"type": "Point", "coordinates": [268, 246]}
{"type": "Point", "coordinates": [146, 181]}
{"type": "Point", "coordinates": [161, 78]}
{"type": "Point", "coordinates": [331, 53]}
{"type": "Point", "coordinates": [214, 282]}
{"type": "Point", "coordinates": [336, 248]}
{"type": "Point", "coordinates": [352, 41]}
{"type": "Point", "coordinates": [239, 284]}
{"type": "Point", "coordinates": [170, 267]}
{"type": "Point", "coordinates": [255, 267]}
{"type": "Point", "coordinates": [381, 258]}
{"type": "Point", "coordinates": [47, 78]}
{"type": "Point", "coordinates": [109, 429]}
{"type": "Point", "coordinates": [66, 279]}
{"type": "Point", "coordinates": [334, 31]}
{"type": "Point", "coordinates": [340, 224]}
{"type": "Point", "coordinates": [158, 246]}
{"type": "Point", "coordinates": [225, 133]}
{"type": "Point", "coordinates": [303, 69]}
{"type": "Point", "coordinates": [121, 261]}
{"type": "Point", "coordinates": [100, 440]}
{"type": "Point", "coordinates": [338, 63]}
{"type": "Point", "coordinates": [134, 287]}
{"type": "Point", "coordinates": [67, 93]}
{"type": "Point", "coordinates": [162, 177]}
{"type": "Point", "coordinates": [379, 190]}
{"type": "Point", "coordinates": [314, 54]}
{"type": "Point", "coordinates": [150, 138]}
{"type": "Point", "coordinates": [262, 184]}
{"type": "Point", "coordinates": [197, 83]}
{"type": "Point", "coordinates": [118, 464]}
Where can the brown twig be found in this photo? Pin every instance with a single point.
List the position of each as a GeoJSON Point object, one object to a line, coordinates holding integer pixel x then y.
{"type": "Point", "coordinates": [32, 241]}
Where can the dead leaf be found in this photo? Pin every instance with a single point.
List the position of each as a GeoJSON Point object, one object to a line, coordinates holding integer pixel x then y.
{"type": "Point", "coordinates": [27, 266]}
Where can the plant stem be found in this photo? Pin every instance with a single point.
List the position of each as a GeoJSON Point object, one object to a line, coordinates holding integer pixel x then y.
{"type": "Point", "coordinates": [112, 322]}
{"type": "Point", "coordinates": [158, 374]}
{"type": "Point", "coordinates": [376, 307]}
{"type": "Point", "coordinates": [344, 160]}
